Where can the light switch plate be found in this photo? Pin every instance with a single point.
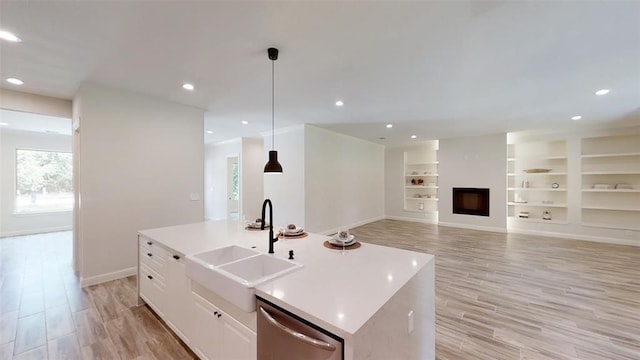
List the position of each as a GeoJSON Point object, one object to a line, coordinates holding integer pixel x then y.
{"type": "Point", "coordinates": [194, 196]}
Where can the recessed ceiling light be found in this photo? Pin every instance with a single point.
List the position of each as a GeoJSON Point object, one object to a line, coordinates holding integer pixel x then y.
{"type": "Point", "coordinates": [389, 126]}
{"type": "Point", "coordinates": [188, 86]}
{"type": "Point", "coordinates": [244, 122]}
{"type": "Point", "coordinates": [15, 81]}
{"type": "Point", "coordinates": [4, 124]}
{"type": "Point", "coordinates": [577, 117]}
{"type": "Point", "coordinates": [339, 103]}
{"type": "Point", "coordinates": [414, 136]}
{"type": "Point", "coordinates": [602, 92]}
{"type": "Point", "coordinates": [209, 132]}
{"type": "Point", "coordinates": [9, 36]}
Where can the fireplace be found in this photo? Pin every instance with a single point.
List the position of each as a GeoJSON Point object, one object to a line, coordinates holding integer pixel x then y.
{"type": "Point", "coordinates": [471, 201]}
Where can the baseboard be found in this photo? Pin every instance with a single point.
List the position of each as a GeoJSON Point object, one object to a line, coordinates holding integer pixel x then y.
{"type": "Point", "coordinates": [598, 239]}
{"type": "Point", "coordinates": [351, 226]}
{"type": "Point", "coordinates": [35, 231]}
{"type": "Point", "coordinates": [98, 279]}
{"type": "Point", "coordinates": [474, 227]}
{"type": "Point", "coordinates": [420, 220]}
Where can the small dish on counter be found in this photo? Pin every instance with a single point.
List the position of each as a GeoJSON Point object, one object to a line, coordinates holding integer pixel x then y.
{"type": "Point", "coordinates": [295, 231]}
{"type": "Point", "coordinates": [335, 240]}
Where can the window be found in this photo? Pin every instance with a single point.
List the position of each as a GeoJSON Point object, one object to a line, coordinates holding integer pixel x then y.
{"type": "Point", "coordinates": [236, 186]}
{"type": "Point", "coordinates": [43, 181]}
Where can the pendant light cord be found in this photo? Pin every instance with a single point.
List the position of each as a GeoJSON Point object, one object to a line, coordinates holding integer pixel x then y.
{"type": "Point", "coordinates": [272, 105]}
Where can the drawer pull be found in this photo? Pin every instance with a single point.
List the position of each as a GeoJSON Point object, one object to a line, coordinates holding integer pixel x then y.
{"type": "Point", "coordinates": [176, 257]}
{"type": "Point", "coordinates": [149, 254]}
{"type": "Point", "coordinates": [150, 277]}
{"type": "Point", "coordinates": [149, 243]}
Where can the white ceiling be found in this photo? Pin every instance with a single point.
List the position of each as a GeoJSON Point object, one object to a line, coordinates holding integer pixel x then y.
{"type": "Point", "coordinates": [434, 69]}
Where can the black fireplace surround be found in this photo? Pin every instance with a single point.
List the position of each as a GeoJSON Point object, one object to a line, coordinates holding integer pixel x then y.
{"type": "Point", "coordinates": [471, 201]}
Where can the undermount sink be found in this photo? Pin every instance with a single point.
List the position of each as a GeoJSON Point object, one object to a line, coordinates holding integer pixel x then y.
{"type": "Point", "coordinates": [233, 272]}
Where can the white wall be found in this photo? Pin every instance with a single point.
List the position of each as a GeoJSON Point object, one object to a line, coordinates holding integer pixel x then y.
{"type": "Point", "coordinates": [215, 176]}
{"type": "Point", "coordinates": [10, 223]}
{"type": "Point", "coordinates": [140, 159]}
{"type": "Point", "coordinates": [252, 178]}
{"type": "Point", "coordinates": [480, 162]}
{"type": "Point", "coordinates": [394, 182]}
{"type": "Point", "coordinates": [574, 229]}
{"type": "Point", "coordinates": [344, 180]}
{"type": "Point", "coordinates": [287, 189]}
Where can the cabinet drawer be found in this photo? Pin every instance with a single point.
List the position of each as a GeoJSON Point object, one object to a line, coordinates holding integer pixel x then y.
{"type": "Point", "coordinates": [152, 245]}
{"type": "Point", "coordinates": [152, 289]}
{"type": "Point", "coordinates": [154, 258]}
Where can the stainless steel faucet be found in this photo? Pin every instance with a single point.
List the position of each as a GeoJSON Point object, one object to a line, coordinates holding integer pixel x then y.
{"type": "Point", "coordinates": [272, 240]}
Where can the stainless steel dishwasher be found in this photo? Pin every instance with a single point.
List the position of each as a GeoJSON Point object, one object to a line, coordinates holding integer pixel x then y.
{"type": "Point", "coordinates": [285, 336]}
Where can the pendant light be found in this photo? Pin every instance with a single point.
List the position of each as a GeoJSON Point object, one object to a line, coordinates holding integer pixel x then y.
{"type": "Point", "coordinates": [273, 166]}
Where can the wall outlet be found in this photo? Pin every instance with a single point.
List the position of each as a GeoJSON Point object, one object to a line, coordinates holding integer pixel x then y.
{"type": "Point", "coordinates": [194, 196]}
{"type": "Point", "coordinates": [410, 320]}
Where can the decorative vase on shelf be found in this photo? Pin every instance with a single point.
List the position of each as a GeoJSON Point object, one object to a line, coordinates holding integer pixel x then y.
{"type": "Point", "coordinates": [546, 215]}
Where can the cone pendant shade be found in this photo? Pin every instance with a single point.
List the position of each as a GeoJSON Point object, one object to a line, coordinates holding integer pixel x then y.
{"type": "Point", "coordinates": [273, 165]}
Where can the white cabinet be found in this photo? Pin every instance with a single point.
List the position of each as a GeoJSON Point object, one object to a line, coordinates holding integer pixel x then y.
{"type": "Point", "coordinates": [179, 306]}
{"type": "Point", "coordinates": [210, 332]}
{"type": "Point", "coordinates": [611, 181]}
{"type": "Point", "coordinates": [219, 336]}
{"type": "Point", "coordinates": [421, 179]}
{"type": "Point", "coordinates": [151, 269]}
{"type": "Point", "coordinates": [537, 181]}
{"type": "Point", "coordinates": [163, 284]}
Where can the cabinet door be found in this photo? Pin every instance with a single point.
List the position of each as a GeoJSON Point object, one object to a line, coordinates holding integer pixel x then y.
{"type": "Point", "coordinates": [152, 290]}
{"type": "Point", "coordinates": [206, 335]}
{"type": "Point", "coordinates": [180, 303]}
{"type": "Point", "coordinates": [238, 342]}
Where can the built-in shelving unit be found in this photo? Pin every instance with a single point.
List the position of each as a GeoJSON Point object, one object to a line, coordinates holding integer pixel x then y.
{"type": "Point", "coordinates": [421, 180]}
{"type": "Point", "coordinates": [611, 181]}
{"type": "Point", "coordinates": [537, 196]}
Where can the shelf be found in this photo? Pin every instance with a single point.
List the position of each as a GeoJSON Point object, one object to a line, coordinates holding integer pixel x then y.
{"type": "Point", "coordinates": [609, 208]}
{"type": "Point", "coordinates": [421, 175]}
{"type": "Point", "coordinates": [427, 199]}
{"type": "Point", "coordinates": [536, 220]}
{"type": "Point", "coordinates": [612, 190]}
{"type": "Point", "coordinates": [542, 173]}
{"type": "Point", "coordinates": [536, 189]}
{"type": "Point", "coordinates": [420, 211]}
{"type": "Point", "coordinates": [610, 226]}
{"type": "Point", "coordinates": [587, 156]}
{"type": "Point", "coordinates": [611, 173]}
{"type": "Point", "coordinates": [420, 187]}
{"type": "Point", "coordinates": [423, 164]}
{"type": "Point", "coordinates": [533, 158]}
{"type": "Point", "coordinates": [537, 204]}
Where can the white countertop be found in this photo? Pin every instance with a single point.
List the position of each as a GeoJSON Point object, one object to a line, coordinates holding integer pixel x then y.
{"type": "Point", "coordinates": [336, 290]}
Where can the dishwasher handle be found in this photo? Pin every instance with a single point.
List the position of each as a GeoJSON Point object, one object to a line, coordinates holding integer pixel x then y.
{"type": "Point", "coordinates": [300, 336]}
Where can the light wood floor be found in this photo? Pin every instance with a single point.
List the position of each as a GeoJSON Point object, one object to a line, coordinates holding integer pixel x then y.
{"type": "Point", "coordinates": [44, 314]}
{"type": "Point", "coordinates": [502, 296]}
{"type": "Point", "coordinates": [499, 296]}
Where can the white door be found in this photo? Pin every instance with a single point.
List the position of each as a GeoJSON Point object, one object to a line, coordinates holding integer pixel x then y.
{"type": "Point", "coordinates": [233, 187]}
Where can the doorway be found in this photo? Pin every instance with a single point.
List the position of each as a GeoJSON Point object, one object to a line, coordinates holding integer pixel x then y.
{"type": "Point", "coordinates": [233, 188]}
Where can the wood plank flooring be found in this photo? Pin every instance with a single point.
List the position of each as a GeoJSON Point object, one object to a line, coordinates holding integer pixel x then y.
{"type": "Point", "coordinates": [510, 296]}
{"type": "Point", "coordinates": [44, 314]}
{"type": "Point", "coordinates": [498, 296]}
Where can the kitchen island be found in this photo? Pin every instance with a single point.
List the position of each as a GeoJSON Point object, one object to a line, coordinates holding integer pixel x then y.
{"type": "Point", "coordinates": [378, 301]}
